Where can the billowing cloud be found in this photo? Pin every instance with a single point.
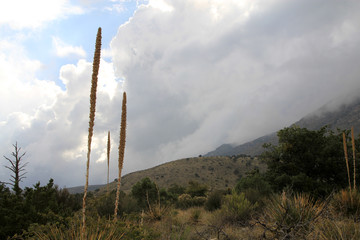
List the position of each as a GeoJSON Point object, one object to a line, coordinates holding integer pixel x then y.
{"type": "Point", "coordinates": [19, 14]}
{"type": "Point", "coordinates": [205, 73]}
{"type": "Point", "coordinates": [65, 50]}
{"type": "Point", "coordinates": [54, 135]}
{"type": "Point", "coordinates": [19, 86]}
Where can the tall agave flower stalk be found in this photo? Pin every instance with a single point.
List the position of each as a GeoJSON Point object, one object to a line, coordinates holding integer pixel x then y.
{"type": "Point", "coordinates": [353, 149]}
{"type": "Point", "coordinates": [108, 161]}
{"type": "Point", "coordinates": [121, 152]}
{"type": "Point", "coordinates": [346, 159]}
{"type": "Point", "coordinates": [96, 65]}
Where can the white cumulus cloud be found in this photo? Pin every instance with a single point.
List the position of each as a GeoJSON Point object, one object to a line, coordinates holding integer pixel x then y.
{"type": "Point", "coordinates": [20, 14]}
{"type": "Point", "coordinates": [65, 50]}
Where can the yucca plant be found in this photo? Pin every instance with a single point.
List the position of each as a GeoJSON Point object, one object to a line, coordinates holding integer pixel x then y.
{"type": "Point", "coordinates": [346, 229]}
{"type": "Point", "coordinates": [121, 152]}
{"type": "Point", "coordinates": [288, 217]}
{"type": "Point", "coordinates": [94, 80]}
{"type": "Point", "coordinates": [346, 202]}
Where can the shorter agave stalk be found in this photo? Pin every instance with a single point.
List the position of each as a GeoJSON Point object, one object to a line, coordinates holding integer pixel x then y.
{"type": "Point", "coordinates": [347, 163]}
{"type": "Point", "coordinates": [353, 149]}
{"type": "Point", "coordinates": [108, 161]}
{"type": "Point", "coordinates": [121, 152]}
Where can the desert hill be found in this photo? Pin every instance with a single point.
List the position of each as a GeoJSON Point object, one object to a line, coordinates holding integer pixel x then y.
{"type": "Point", "coordinates": [215, 172]}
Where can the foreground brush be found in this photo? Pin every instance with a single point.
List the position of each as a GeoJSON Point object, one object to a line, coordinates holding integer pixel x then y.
{"type": "Point", "coordinates": [121, 151]}
{"type": "Point", "coordinates": [94, 80]}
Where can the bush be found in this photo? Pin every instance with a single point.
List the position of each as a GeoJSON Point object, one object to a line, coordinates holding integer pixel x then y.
{"type": "Point", "coordinates": [307, 161]}
{"type": "Point", "coordinates": [213, 201]}
{"type": "Point", "coordinates": [184, 201]}
{"type": "Point", "coordinates": [289, 217]}
{"type": "Point", "coordinates": [198, 201]}
{"type": "Point", "coordinates": [236, 208]}
{"type": "Point", "coordinates": [196, 189]}
{"type": "Point", "coordinates": [254, 186]}
{"type": "Point", "coordinates": [145, 190]}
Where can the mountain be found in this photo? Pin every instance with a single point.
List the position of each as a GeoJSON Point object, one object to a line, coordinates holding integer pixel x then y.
{"type": "Point", "coordinates": [343, 116]}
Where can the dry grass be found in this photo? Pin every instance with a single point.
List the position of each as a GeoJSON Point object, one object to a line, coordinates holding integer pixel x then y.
{"type": "Point", "coordinates": [96, 65]}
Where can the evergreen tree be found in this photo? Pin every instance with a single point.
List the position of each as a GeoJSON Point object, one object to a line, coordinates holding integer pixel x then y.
{"type": "Point", "coordinates": [17, 167]}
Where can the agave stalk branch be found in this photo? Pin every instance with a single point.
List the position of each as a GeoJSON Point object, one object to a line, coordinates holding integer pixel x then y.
{"type": "Point", "coordinates": [121, 152]}
{"type": "Point", "coordinates": [94, 80]}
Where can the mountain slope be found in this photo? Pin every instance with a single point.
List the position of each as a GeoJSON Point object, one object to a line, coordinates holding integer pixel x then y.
{"type": "Point", "coordinates": [344, 117]}
{"type": "Point", "coordinates": [215, 172]}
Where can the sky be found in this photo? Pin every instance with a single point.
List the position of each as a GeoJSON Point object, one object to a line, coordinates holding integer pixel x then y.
{"type": "Point", "coordinates": [197, 73]}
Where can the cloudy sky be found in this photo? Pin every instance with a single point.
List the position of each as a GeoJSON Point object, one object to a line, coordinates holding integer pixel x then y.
{"type": "Point", "coordinates": [198, 73]}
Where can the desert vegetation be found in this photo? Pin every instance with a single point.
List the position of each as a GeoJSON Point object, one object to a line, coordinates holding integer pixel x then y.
{"type": "Point", "coordinates": [306, 191]}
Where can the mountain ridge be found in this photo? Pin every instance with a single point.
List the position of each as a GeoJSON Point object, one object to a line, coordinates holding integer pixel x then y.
{"type": "Point", "coordinates": [343, 117]}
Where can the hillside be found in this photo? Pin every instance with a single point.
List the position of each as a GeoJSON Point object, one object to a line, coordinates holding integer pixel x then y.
{"type": "Point", "coordinates": [344, 117]}
{"type": "Point", "coordinates": [80, 189]}
{"type": "Point", "coordinates": [215, 172]}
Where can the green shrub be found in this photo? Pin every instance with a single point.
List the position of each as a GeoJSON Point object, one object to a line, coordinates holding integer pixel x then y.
{"type": "Point", "coordinates": [184, 201]}
{"type": "Point", "coordinates": [213, 201]}
{"type": "Point", "coordinates": [198, 201]}
{"type": "Point", "coordinates": [236, 208]}
{"type": "Point", "coordinates": [254, 186]}
{"type": "Point", "coordinates": [145, 190]}
{"type": "Point", "coordinates": [196, 189]}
